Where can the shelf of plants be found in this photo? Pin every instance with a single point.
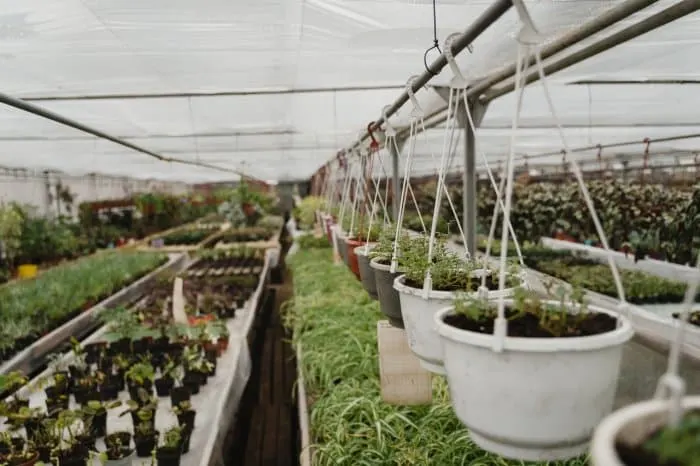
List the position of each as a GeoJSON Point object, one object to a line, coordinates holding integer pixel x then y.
{"type": "Point", "coordinates": [144, 387]}
{"type": "Point", "coordinates": [336, 327]}
{"type": "Point", "coordinates": [41, 314]}
{"type": "Point", "coordinates": [188, 238]}
{"type": "Point", "coordinates": [262, 237]}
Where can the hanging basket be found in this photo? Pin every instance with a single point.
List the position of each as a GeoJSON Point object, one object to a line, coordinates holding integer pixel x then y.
{"type": "Point", "coordinates": [540, 398]}
{"type": "Point", "coordinates": [389, 301]}
{"type": "Point", "coordinates": [631, 426]}
{"type": "Point", "coordinates": [367, 277]}
{"type": "Point", "coordinates": [419, 317]}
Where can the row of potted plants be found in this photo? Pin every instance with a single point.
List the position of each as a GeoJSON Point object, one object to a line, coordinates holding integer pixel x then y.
{"type": "Point", "coordinates": [548, 388]}
{"type": "Point", "coordinates": [32, 308]}
{"type": "Point", "coordinates": [548, 345]}
{"type": "Point", "coordinates": [142, 360]}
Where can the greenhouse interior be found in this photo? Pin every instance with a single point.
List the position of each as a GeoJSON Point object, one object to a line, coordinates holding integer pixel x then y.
{"type": "Point", "coordinates": [225, 226]}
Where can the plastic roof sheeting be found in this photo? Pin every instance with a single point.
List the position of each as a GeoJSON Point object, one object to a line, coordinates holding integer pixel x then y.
{"type": "Point", "coordinates": [72, 48]}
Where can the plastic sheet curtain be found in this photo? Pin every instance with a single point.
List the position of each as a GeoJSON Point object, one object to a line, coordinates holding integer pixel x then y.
{"type": "Point", "coordinates": [123, 49]}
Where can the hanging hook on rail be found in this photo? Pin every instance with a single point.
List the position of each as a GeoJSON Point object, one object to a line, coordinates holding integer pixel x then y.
{"type": "Point", "coordinates": [374, 144]}
{"type": "Point", "coordinates": [417, 111]}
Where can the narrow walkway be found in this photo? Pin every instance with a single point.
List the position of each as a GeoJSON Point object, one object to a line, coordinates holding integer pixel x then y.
{"type": "Point", "coordinates": [266, 430]}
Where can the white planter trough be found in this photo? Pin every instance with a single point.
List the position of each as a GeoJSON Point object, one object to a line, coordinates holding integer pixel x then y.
{"type": "Point", "coordinates": [631, 426]}
{"type": "Point", "coordinates": [540, 398]}
{"type": "Point", "coordinates": [419, 320]}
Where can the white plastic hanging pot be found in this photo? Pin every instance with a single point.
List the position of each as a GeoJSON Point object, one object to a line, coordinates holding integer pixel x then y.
{"type": "Point", "coordinates": [419, 320]}
{"type": "Point", "coordinates": [540, 398]}
{"type": "Point", "coordinates": [631, 426]}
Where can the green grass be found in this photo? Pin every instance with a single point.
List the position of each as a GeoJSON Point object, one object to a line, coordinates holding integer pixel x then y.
{"type": "Point", "coordinates": [335, 322]}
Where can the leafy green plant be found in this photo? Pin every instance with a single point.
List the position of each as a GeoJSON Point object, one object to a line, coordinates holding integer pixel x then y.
{"type": "Point", "coordinates": [350, 423]}
{"type": "Point", "coordinates": [678, 445]}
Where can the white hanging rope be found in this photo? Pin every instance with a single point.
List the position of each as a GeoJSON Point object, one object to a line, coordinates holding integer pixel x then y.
{"type": "Point", "coordinates": [500, 328]}
{"type": "Point", "coordinates": [349, 169]}
{"type": "Point", "coordinates": [377, 195]}
{"type": "Point", "coordinates": [584, 190]}
{"type": "Point", "coordinates": [358, 183]}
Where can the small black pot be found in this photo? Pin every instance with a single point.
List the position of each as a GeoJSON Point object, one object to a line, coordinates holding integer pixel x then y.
{"type": "Point", "coordinates": [99, 424]}
{"type": "Point", "coordinates": [164, 385]}
{"type": "Point", "coordinates": [145, 445]}
{"type": "Point", "coordinates": [44, 453]}
{"type": "Point", "coordinates": [32, 426]}
{"type": "Point", "coordinates": [186, 419]}
{"type": "Point", "coordinates": [109, 392]}
{"type": "Point", "coordinates": [186, 436]}
{"type": "Point", "coordinates": [122, 346]}
{"type": "Point", "coordinates": [178, 395]}
{"type": "Point", "coordinates": [86, 441]}
{"type": "Point", "coordinates": [168, 456]}
{"type": "Point", "coordinates": [56, 404]}
{"type": "Point", "coordinates": [76, 457]}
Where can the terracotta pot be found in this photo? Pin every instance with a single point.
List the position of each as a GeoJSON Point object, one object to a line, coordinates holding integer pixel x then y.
{"type": "Point", "coordinates": [222, 344]}
{"type": "Point", "coordinates": [248, 209]}
{"type": "Point", "coordinates": [352, 258]}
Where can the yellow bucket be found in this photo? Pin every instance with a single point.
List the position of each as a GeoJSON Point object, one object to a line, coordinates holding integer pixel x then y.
{"type": "Point", "coordinates": [27, 271]}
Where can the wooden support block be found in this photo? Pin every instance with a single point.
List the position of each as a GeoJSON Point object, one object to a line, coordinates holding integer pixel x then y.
{"type": "Point", "coordinates": [403, 380]}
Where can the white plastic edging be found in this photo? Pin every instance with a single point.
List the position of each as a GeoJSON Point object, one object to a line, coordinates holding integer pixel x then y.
{"type": "Point", "coordinates": [663, 269]}
{"type": "Point", "coordinates": [33, 357]}
{"type": "Point", "coordinates": [227, 406]}
{"type": "Point", "coordinates": [302, 404]}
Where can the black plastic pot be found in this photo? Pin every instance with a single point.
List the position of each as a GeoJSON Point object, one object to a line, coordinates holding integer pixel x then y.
{"type": "Point", "coordinates": [145, 445]}
{"type": "Point", "coordinates": [136, 420]}
{"type": "Point", "coordinates": [186, 419]}
{"type": "Point", "coordinates": [168, 456]}
{"type": "Point", "coordinates": [186, 436]}
{"type": "Point", "coordinates": [99, 424]}
{"type": "Point", "coordinates": [179, 394]}
{"type": "Point", "coordinates": [164, 386]}
{"type": "Point", "coordinates": [57, 404]}
{"type": "Point", "coordinates": [388, 297]}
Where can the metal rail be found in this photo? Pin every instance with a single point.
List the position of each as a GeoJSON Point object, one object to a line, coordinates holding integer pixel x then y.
{"type": "Point", "coordinates": [49, 115]}
{"type": "Point", "coordinates": [495, 11]}
{"type": "Point", "coordinates": [586, 30]}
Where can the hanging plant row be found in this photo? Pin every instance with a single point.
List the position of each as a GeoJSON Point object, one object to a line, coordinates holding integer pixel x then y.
{"type": "Point", "coordinates": [31, 309]}
{"type": "Point", "coordinates": [137, 385]}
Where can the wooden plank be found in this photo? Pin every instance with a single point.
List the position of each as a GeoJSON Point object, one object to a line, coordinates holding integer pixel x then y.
{"type": "Point", "coordinates": [253, 451]}
{"type": "Point", "coordinates": [286, 456]}
{"type": "Point", "coordinates": [403, 381]}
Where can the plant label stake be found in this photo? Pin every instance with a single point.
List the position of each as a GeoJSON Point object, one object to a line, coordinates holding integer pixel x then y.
{"type": "Point", "coordinates": [402, 379]}
{"type": "Point", "coordinates": [179, 315]}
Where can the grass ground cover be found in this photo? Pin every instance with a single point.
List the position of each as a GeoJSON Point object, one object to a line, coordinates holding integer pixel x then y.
{"type": "Point", "coordinates": [335, 322]}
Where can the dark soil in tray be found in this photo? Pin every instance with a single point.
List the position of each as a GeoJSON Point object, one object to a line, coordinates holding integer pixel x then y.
{"type": "Point", "coordinates": [227, 262]}
{"type": "Point", "coordinates": [693, 318]}
{"type": "Point", "coordinates": [636, 456]}
{"type": "Point", "coordinates": [528, 325]}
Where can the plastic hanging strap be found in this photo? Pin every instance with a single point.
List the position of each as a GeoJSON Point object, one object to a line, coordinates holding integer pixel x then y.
{"type": "Point", "coordinates": [500, 329]}
{"type": "Point", "coordinates": [358, 182]}
{"type": "Point", "coordinates": [623, 307]}
{"type": "Point", "coordinates": [377, 196]}
{"type": "Point", "coordinates": [449, 131]}
{"type": "Point", "coordinates": [671, 385]}
{"type": "Point", "coordinates": [483, 290]}
{"type": "Point", "coordinates": [404, 191]}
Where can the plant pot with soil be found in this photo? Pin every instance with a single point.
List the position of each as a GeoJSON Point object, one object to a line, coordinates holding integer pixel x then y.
{"type": "Point", "coordinates": [388, 297]}
{"type": "Point", "coordinates": [639, 435]}
{"type": "Point", "coordinates": [185, 414]}
{"type": "Point", "coordinates": [170, 450]}
{"type": "Point", "coordinates": [560, 355]}
{"type": "Point", "coordinates": [145, 439]}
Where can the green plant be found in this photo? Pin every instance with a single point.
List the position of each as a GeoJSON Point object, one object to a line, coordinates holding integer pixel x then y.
{"type": "Point", "coordinates": [172, 437]}
{"type": "Point", "coordinates": [350, 423]}
{"type": "Point", "coordinates": [140, 373]}
{"type": "Point", "coordinates": [678, 445]}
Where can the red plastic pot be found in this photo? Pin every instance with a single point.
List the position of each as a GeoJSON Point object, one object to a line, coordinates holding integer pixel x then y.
{"type": "Point", "coordinates": [352, 258]}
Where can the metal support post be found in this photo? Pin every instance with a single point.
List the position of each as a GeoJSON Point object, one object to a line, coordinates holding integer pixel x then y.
{"type": "Point", "coordinates": [48, 197]}
{"type": "Point", "coordinates": [470, 178]}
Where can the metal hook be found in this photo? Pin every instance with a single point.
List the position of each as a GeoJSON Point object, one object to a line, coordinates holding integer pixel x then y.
{"type": "Point", "coordinates": [374, 145]}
